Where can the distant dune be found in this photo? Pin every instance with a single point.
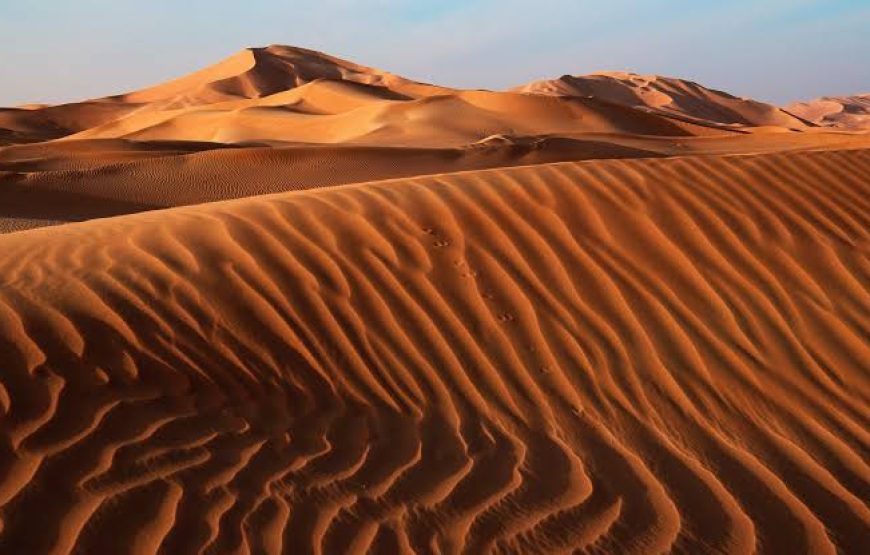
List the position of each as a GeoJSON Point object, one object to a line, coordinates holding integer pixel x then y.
{"type": "Point", "coordinates": [259, 72]}
{"type": "Point", "coordinates": [666, 95]}
{"type": "Point", "coordinates": [251, 73]}
{"type": "Point", "coordinates": [330, 112]}
{"type": "Point", "coordinates": [293, 304]}
{"type": "Point", "coordinates": [848, 112]}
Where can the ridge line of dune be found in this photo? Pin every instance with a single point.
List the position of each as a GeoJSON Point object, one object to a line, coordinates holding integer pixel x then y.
{"type": "Point", "coordinates": [485, 171]}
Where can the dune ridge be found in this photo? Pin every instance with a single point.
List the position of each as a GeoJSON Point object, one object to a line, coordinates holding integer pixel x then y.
{"type": "Point", "coordinates": [257, 72]}
{"type": "Point", "coordinates": [52, 184]}
{"type": "Point", "coordinates": [286, 94]}
{"type": "Point", "coordinates": [629, 356]}
{"type": "Point", "coordinates": [847, 112]}
{"type": "Point", "coordinates": [249, 74]}
{"type": "Point", "coordinates": [57, 182]}
{"type": "Point", "coordinates": [667, 95]}
{"type": "Point", "coordinates": [322, 112]}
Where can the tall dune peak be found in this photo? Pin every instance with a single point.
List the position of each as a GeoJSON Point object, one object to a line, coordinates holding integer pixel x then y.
{"type": "Point", "coordinates": [261, 71]}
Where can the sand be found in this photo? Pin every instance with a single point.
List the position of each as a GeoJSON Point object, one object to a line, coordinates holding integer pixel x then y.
{"type": "Point", "coordinates": [667, 95]}
{"type": "Point", "coordinates": [423, 320]}
{"type": "Point", "coordinates": [843, 112]}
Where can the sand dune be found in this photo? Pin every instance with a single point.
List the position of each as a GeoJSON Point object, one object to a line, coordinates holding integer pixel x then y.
{"type": "Point", "coordinates": [627, 356]}
{"type": "Point", "coordinates": [57, 182]}
{"type": "Point", "coordinates": [329, 112]}
{"type": "Point", "coordinates": [848, 112]}
{"type": "Point", "coordinates": [290, 94]}
{"type": "Point", "coordinates": [666, 95]}
{"type": "Point", "coordinates": [311, 306]}
{"type": "Point", "coordinates": [258, 72]}
{"type": "Point", "coordinates": [29, 125]}
{"type": "Point", "coordinates": [248, 74]}
{"type": "Point", "coordinates": [73, 186]}
{"type": "Point", "coordinates": [77, 155]}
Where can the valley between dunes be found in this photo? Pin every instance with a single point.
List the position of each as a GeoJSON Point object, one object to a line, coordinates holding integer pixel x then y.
{"type": "Point", "coordinates": [493, 322]}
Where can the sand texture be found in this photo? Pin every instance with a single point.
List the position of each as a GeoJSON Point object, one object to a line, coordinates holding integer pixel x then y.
{"type": "Point", "coordinates": [291, 304]}
{"type": "Point", "coordinates": [633, 356]}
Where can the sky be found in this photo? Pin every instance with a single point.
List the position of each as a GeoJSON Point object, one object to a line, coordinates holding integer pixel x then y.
{"type": "Point", "coordinates": [774, 50]}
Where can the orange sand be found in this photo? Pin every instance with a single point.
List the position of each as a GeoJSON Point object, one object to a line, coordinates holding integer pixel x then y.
{"type": "Point", "coordinates": [431, 321]}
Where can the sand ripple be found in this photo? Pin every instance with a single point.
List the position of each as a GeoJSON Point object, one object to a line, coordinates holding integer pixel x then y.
{"type": "Point", "coordinates": [615, 356]}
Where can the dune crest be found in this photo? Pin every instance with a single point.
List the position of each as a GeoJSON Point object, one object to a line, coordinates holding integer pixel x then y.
{"type": "Point", "coordinates": [847, 112]}
{"type": "Point", "coordinates": [289, 94]}
{"type": "Point", "coordinates": [666, 95]}
{"type": "Point", "coordinates": [249, 74]}
{"type": "Point", "coordinates": [373, 117]}
{"type": "Point", "coordinates": [619, 356]}
{"type": "Point", "coordinates": [56, 182]}
{"type": "Point", "coordinates": [258, 72]}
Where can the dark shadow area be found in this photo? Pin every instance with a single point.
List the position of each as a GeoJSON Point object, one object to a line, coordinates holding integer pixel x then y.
{"type": "Point", "coordinates": [25, 202]}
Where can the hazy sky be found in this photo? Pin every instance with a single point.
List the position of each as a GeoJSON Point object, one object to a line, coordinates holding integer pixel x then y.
{"type": "Point", "coordinates": [774, 50]}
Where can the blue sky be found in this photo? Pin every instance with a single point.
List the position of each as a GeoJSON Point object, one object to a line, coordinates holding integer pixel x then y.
{"type": "Point", "coordinates": [774, 50]}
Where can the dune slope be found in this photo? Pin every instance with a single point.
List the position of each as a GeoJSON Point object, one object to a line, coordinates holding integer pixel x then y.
{"type": "Point", "coordinates": [284, 94]}
{"type": "Point", "coordinates": [331, 112]}
{"type": "Point", "coordinates": [622, 356]}
{"type": "Point", "coordinates": [847, 112]}
{"type": "Point", "coordinates": [51, 183]}
{"type": "Point", "coordinates": [666, 95]}
{"type": "Point", "coordinates": [257, 72]}
{"type": "Point", "coordinates": [56, 182]}
{"type": "Point", "coordinates": [249, 74]}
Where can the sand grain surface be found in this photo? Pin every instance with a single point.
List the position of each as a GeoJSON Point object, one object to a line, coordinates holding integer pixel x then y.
{"type": "Point", "coordinates": [622, 356]}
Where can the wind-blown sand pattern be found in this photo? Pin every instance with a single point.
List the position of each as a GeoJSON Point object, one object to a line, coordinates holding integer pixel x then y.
{"type": "Point", "coordinates": [626, 356]}
{"type": "Point", "coordinates": [56, 182]}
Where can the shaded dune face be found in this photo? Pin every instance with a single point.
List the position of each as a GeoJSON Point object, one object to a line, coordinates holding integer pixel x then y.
{"type": "Point", "coordinates": [43, 185]}
{"type": "Point", "coordinates": [615, 356]}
